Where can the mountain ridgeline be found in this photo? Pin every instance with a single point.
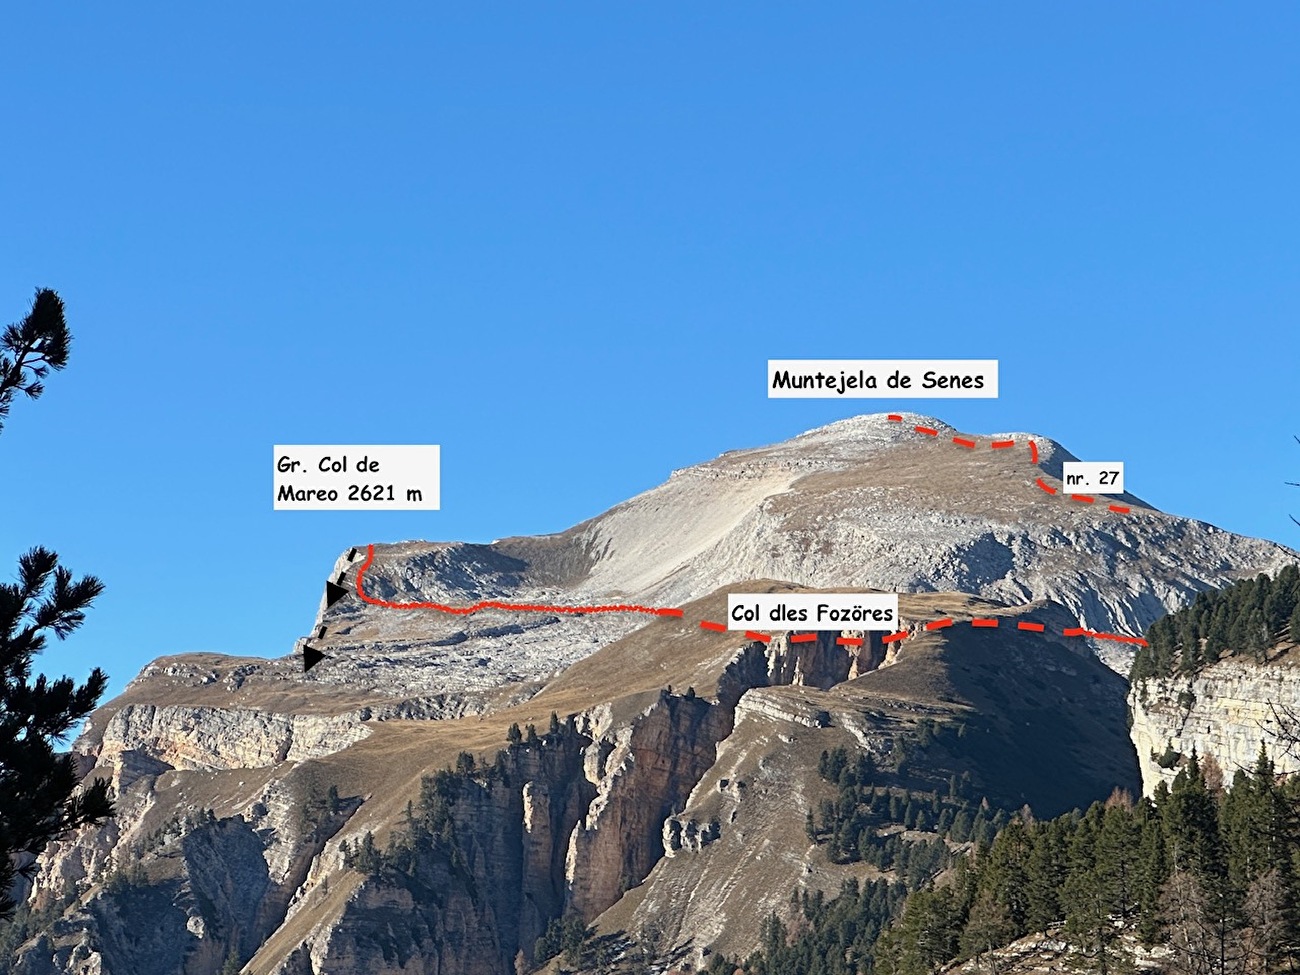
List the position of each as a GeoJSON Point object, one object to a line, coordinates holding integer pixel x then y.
{"type": "Point", "coordinates": [700, 798]}
{"type": "Point", "coordinates": [1199, 876]}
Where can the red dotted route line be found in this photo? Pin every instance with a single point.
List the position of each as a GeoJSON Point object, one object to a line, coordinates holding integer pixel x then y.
{"type": "Point", "coordinates": [941, 624]}
{"type": "Point", "coordinates": [710, 625]}
{"type": "Point", "coordinates": [970, 444]}
{"type": "Point", "coordinates": [714, 627]}
{"type": "Point", "coordinates": [495, 604]}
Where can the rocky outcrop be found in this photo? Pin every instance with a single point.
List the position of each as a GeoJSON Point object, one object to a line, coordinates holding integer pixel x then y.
{"type": "Point", "coordinates": [184, 913]}
{"type": "Point", "coordinates": [1227, 710]}
{"type": "Point", "coordinates": [864, 502]}
{"type": "Point", "coordinates": [643, 774]}
{"type": "Point", "coordinates": [170, 886]}
{"type": "Point", "coordinates": [465, 901]}
{"type": "Point", "coordinates": [224, 738]}
{"type": "Point", "coordinates": [821, 663]}
{"type": "Point", "coordinates": [226, 841]}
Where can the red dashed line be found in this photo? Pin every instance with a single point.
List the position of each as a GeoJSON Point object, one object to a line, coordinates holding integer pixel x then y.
{"type": "Point", "coordinates": [710, 625]}
{"type": "Point", "coordinates": [1115, 636]}
{"type": "Point", "coordinates": [715, 627]}
{"type": "Point", "coordinates": [967, 442]}
{"type": "Point", "coordinates": [1122, 639]}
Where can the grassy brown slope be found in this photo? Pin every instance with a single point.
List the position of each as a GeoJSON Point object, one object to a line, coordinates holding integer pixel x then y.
{"type": "Point", "coordinates": [1045, 724]}
{"type": "Point", "coordinates": [952, 676]}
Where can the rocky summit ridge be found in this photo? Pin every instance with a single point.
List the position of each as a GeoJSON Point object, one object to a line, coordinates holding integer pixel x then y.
{"type": "Point", "coordinates": [670, 792]}
{"type": "Point", "coordinates": [865, 502]}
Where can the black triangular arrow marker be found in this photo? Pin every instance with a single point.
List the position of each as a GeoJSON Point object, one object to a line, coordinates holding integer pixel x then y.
{"type": "Point", "coordinates": [333, 593]}
{"type": "Point", "coordinates": [310, 657]}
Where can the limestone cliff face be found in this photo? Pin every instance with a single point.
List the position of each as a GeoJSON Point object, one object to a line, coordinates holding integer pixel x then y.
{"type": "Point", "coordinates": [1226, 710]}
{"type": "Point", "coordinates": [207, 894]}
{"type": "Point", "coordinates": [464, 905]}
{"type": "Point", "coordinates": [226, 738]}
{"type": "Point", "coordinates": [819, 663]}
{"type": "Point", "coordinates": [222, 836]}
{"type": "Point", "coordinates": [864, 502]}
{"type": "Point", "coordinates": [642, 772]}
{"type": "Point", "coordinates": [570, 828]}
{"type": "Point", "coordinates": [228, 843]}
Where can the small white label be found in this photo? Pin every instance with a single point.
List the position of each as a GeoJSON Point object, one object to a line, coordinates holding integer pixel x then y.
{"type": "Point", "coordinates": [882, 378]}
{"type": "Point", "coordinates": [1093, 477]}
{"type": "Point", "coordinates": [375, 477]}
{"type": "Point", "coordinates": [813, 611]}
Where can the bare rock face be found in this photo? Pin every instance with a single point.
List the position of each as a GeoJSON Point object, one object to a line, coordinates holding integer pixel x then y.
{"type": "Point", "coordinates": [1227, 710]}
{"type": "Point", "coordinates": [462, 905]}
{"type": "Point", "coordinates": [226, 738]}
{"type": "Point", "coordinates": [862, 503]}
{"type": "Point", "coordinates": [650, 769]}
{"type": "Point", "coordinates": [672, 799]}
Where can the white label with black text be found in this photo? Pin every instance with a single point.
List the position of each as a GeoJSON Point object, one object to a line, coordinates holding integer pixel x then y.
{"type": "Point", "coordinates": [1093, 476]}
{"type": "Point", "coordinates": [882, 378]}
{"type": "Point", "coordinates": [372, 477]}
{"type": "Point", "coordinates": [813, 611]}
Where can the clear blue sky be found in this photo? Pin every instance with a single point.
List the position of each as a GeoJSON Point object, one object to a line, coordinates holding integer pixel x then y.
{"type": "Point", "coordinates": [562, 241]}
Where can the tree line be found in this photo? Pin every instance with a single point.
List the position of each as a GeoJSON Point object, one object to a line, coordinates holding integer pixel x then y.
{"type": "Point", "coordinates": [1244, 619]}
{"type": "Point", "coordinates": [862, 824]}
{"type": "Point", "coordinates": [1206, 873]}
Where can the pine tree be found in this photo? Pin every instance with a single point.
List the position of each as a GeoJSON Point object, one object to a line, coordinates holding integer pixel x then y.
{"type": "Point", "coordinates": [927, 932]}
{"type": "Point", "coordinates": [1216, 640]}
{"type": "Point", "coordinates": [1088, 895]}
{"type": "Point", "coordinates": [1118, 849]}
{"type": "Point", "coordinates": [1007, 873]}
{"type": "Point", "coordinates": [39, 799]}
{"type": "Point", "coordinates": [1046, 866]}
{"type": "Point", "coordinates": [988, 927]}
{"type": "Point", "coordinates": [1153, 872]}
{"type": "Point", "coordinates": [1192, 824]}
{"type": "Point", "coordinates": [1257, 636]}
